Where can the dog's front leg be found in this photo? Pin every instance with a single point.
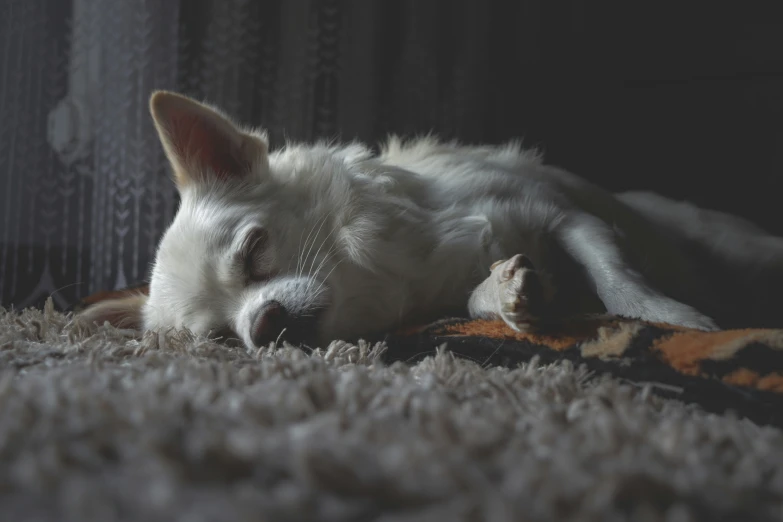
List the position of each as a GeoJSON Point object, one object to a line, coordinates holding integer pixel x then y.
{"type": "Point", "coordinates": [623, 290]}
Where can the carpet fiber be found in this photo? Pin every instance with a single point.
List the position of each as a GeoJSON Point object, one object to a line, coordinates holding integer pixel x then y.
{"type": "Point", "coordinates": [98, 425]}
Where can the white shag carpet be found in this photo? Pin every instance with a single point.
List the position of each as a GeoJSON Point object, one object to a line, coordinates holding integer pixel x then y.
{"type": "Point", "coordinates": [96, 425]}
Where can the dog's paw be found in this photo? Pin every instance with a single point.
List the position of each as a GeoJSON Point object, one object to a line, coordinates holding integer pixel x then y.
{"type": "Point", "coordinates": [520, 292]}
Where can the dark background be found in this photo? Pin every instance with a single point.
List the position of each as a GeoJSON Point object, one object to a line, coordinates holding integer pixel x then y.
{"type": "Point", "coordinates": [682, 98]}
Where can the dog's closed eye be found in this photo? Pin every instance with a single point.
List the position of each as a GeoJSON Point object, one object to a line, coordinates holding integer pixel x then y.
{"type": "Point", "coordinates": [254, 255]}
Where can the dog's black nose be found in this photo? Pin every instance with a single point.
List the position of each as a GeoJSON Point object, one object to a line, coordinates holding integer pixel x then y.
{"type": "Point", "coordinates": [271, 320]}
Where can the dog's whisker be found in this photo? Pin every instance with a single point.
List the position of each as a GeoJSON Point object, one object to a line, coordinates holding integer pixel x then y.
{"type": "Point", "coordinates": [64, 287]}
{"type": "Point", "coordinates": [315, 237]}
{"type": "Point", "coordinates": [302, 261]}
{"type": "Point", "coordinates": [312, 277]}
{"type": "Point", "coordinates": [299, 254]}
{"type": "Point", "coordinates": [312, 262]}
{"type": "Point", "coordinates": [409, 359]}
{"type": "Point", "coordinates": [323, 280]}
{"type": "Point", "coordinates": [311, 242]}
{"type": "Point", "coordinates": [486, 361]}
{"type": "Point", "coordinates": [329, 254]}
{"type": "Point", "coordinates": [325, 259]}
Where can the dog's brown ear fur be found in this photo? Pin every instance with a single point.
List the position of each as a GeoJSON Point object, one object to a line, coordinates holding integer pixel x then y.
{"type": "Point", "coordinates": [201, 143]}
{"type": "Point", "coordinates": [123, 312]}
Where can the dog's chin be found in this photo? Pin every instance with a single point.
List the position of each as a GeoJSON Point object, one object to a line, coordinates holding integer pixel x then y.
{"type": "Point", "coordinates": [228, 337]}
{"type": "Point", "coordinates": [291, 335]}
{"type": "Point", "coordinates": [335, 328]}
{"type": "Point", "coordinates": [305, 330]}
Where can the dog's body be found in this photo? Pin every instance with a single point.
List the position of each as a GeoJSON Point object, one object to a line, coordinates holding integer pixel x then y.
{"type": "Point", "coordinates": [330, 242]}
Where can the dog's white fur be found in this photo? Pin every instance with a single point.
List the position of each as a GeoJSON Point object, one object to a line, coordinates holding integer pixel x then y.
{"type": "Point", "coordinates": [365, 242]}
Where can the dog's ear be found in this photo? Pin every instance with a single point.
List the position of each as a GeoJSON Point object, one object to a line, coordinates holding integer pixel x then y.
{"type": "Point", "coordinates": [123, 312]}
{"type": "Point", "coordinates": [203, 145]}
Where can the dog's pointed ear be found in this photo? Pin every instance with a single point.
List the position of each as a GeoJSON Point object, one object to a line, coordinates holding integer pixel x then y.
{"type": "Point", "coordinates": [123, 312]}
{"type": "Point", "coordinates": [202, 144]}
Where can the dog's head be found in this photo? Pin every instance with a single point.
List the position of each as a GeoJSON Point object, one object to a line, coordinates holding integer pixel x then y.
{"type": "Point", "coordinates": [261, 242]}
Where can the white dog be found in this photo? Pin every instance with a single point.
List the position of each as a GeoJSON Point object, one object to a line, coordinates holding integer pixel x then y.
{"type": "Point", "coordinates": [321, 242]}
